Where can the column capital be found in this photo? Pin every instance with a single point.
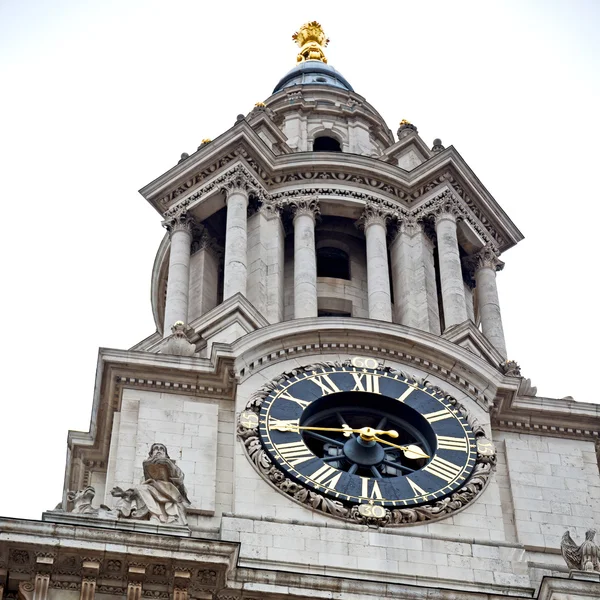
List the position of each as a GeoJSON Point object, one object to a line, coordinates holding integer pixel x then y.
{"type": "Point", "coordinates": [306, 205]}
{"type": "Point", "coordinates": [239, 181]}
{"type": "Point", "coordinates": [487, 257]}
{"type": "Point", "coordinates": [445, 206]}
{"type": "Point", "coordinates": [270, 209]}
{"type": "Point", "coordinates": [374, 213]}
{"type": "Point", "coordinates": [205, 241]}
{"type": "Point", "coordinates": [179, 222]}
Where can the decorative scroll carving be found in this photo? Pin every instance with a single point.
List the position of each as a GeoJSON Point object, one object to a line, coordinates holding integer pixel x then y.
{"type": "Point", "coordinates": [487, 257]}
{"type": "Point", "coordinates": [178, 343]}
{"type": "Point", "coordinates": [204, 241]}
{"type": "Point", "coordinates": [239, 180]}
{"type": "Point", "coordinates": [581, 558]}
{"type": "Point", "coordinates": [179, 222]}
{"type": "Point", "coordinates": [247, 431]}
{"type": "Point", "coordinates": [161, 497]}
{"type": "Point", "coordinates": [270, 209]}
{"type": "Point", "coordinates": [374, 212]}
{"type": "Point", "coordinates": [446, 204]}
{"type": "Point", "coordinates": [304, 205]}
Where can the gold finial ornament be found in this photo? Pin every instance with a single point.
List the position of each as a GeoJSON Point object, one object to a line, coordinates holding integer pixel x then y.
{"type": "Point", "coordinates": [312, 39]}
{"type": "Point", "coordinates": [260, 104]}
{"type": "Point", "coordinates": [404, 122]}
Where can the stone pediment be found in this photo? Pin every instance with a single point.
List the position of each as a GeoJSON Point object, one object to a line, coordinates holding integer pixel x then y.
{"type": "Point", "coordinates": [468, 336]}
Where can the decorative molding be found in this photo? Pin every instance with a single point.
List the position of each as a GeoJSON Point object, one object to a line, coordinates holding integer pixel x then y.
{"type": "Point", "coordinates": [472, 488]}
{"type": "Point", "coordinates": [487, 257]}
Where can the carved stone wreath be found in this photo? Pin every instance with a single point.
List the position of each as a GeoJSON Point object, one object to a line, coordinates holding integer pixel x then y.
{"type": "Point", "coordinates": [472, 488]}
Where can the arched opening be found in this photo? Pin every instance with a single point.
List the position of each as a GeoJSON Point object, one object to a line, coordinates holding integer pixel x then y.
{"type": "Point", "coordinates": [333, 262]}
{"type": "Point", "coordinates": [326, 144]}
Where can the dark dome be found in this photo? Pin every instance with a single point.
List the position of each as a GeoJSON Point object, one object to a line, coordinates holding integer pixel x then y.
{"type": "Point", "coordinates": [314, 72]}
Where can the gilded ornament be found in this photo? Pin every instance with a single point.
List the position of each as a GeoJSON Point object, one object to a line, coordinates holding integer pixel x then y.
{"type": "Point", "coordinates": [312, 39]}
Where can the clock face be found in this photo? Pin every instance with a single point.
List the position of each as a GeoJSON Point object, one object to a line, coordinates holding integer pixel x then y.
{"type": "Point", "coordinates": [362, 435]}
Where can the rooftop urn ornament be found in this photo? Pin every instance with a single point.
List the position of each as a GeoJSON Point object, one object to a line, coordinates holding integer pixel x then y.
{"type": "Point", "coordinates": [178, 343]}
{"type": "Point", "coordinates": [312, 39]}
{"type": "Point", "coordinates": [406, 129]}
{"type": "Point", "coordinates": [437, 146]}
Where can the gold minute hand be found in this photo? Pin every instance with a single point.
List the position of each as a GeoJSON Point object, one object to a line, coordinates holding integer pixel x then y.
{"type": "Point", "coordinates": [363, 430]}
{"type": "Point", "coordinates": [411, 451]}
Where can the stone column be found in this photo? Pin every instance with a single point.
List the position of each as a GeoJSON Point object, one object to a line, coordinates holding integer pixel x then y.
{"type": "Point", "coordinates": [305, 257]}
{"type": "Point", "coordinates": [378, 279]}
{"type": "Point", "coordinates": [486, 265]}
{"type": "Point", "coordinates": [453, 292]}
{"type": "Point", "coordinates": [236, 236]}
{"type": "Point", "coordinates": [176, 307]}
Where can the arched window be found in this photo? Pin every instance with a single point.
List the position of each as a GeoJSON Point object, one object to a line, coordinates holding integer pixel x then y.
{"type": "Point", "coordinates": [326, 144]}
{"type": "Point", "coordinates": [333, 262]}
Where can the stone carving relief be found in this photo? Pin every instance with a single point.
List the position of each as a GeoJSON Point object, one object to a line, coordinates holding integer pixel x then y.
{"type": "Point", "coordinates": [80, 503]}
{"type": "Point", "coordinates": [161, 497]}
{"type": "Point", "coordinates": [585, 557]}
{"type": "Point", "coordinates": [473, 487]}
{"type": "Point", "coordinates": [178, 343]}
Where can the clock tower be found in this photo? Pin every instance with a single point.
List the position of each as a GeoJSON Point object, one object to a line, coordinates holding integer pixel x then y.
{"type": "Point", "coordinates": [326, 408]}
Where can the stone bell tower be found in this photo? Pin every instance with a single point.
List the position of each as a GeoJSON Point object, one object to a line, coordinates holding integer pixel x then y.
{"type": "Point", "coordinates": [326, 408]}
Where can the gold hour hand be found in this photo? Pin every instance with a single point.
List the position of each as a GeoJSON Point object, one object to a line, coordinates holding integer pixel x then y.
{"type": "Point", "coordinates": [365, 432]}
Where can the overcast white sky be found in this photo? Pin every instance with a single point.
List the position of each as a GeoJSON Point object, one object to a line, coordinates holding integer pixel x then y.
{"type": "Point", "coordinates": [101, 97]}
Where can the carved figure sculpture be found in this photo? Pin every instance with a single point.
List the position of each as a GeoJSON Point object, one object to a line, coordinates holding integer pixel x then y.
{"type": "Point", "coordinates": [178, 343]}
{"type": "Point", "coordinates": [161, 497]}
{"type": "Point", "coordinates": [584, 557]}
{"type": "Point", "coordinates": [82, 501]}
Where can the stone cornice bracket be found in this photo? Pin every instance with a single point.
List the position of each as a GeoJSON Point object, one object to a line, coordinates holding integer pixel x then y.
{"type": "Point", "coordinates": [89, 571]}
{"type": "Point", "coordinates": [181, 583]}
{"type": "Point", "coordinates": [374, 213]}
{"type": "Point", "coordinates": [179, 222]}
{"type": "Point", "coordinates": [136, 575]}
{"type": "Point", "coordinates": [305, 205]}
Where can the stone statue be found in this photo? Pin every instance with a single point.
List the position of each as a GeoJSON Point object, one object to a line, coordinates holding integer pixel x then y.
{"type": "Point", "coordinates": [82, 501]}
{"type": "Point", "coordinates": [161, 497]}
{"type": "Point", "coordinates": [581, 558]}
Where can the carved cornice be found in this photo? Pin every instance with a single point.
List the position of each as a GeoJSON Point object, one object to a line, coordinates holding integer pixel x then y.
{"type": "Point", "coordinates": [234, 176]}
{"type": "Point", "coordinates": [239, 180]}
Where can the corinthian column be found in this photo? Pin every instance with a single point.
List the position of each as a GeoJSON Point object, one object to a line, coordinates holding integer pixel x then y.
{"type": "Point", "coordinates": [453, 290]}
{"type": "Point", "coordinates": [176, 307]}
{"type": "Point", "coordinates": [305, 257]}
{"type": "Point", "coordinates": [236, 235]}
{"type": "Point", "coordinates": [378, 279]}
{"type": "Point", "coordinates": [486, 264]}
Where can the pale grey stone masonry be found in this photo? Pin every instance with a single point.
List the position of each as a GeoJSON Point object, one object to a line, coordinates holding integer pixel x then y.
{"type": "Point", "coordinates": [236, 271]}
{"type": "Point", "coordinates": [453, 291]}
{"type": "Point", "coordinates": [176, 307]}
{"type": "Point", "coordinates": [413, 276]}
{"type": "Point", "coordinates": [204, 280]}
{"type": "Point", "coordinates": [378, 279]}
{"type": "Point", "coordinates": [305, 259]}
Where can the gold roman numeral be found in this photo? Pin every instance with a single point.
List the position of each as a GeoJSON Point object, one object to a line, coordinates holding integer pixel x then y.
{"type": "Point", "coordinates": [326, 384]}
{"type": "Point", "coordinates": [283, 424]}
{"type": "Point", "coordinates": [444, 469]}
{"type": "Point", "coordinates": [366, 382]}
{"type": "Point", "coordinates": [287, 396]}
{"type": "Point", "coordinates": [294, 453]}
{"type": "Point", "coordinates": [452, 443]}
{"type": "Point", "coordinates": [417, 491]}
{"type": "Point", "coordinates": [439, 415]}
{"type": "Point", "coordinates": [370, 489]}
{"type": "Point", "coordinates": [327, 476]}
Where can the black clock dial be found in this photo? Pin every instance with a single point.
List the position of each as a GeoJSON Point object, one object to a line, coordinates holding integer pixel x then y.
{"type": "Point", "coordinates": [362, 435]}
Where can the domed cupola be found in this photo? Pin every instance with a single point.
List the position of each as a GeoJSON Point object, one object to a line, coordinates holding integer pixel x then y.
{"type": "Point", "coordinates": [312, 67]}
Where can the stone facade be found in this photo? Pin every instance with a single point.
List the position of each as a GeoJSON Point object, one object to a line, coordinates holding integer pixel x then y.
{"type": "Point", "coordinates": [169, 495]}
